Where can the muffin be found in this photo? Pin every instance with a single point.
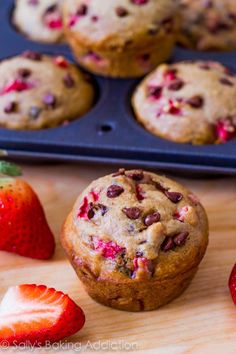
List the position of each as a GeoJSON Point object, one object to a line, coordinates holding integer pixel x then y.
{"type": "Point", "coordinates": [188, 102]}
{"type": "Point", "coordinates": [135, 239]}
{"type": "Point", "coordinates": [38, 91]}
{"type": "Point", "coordinates": [39, 20]}
{"type": "Point", "coordinates": [208, 24]}
{"type": "Point", "coordinates": [121, 38]}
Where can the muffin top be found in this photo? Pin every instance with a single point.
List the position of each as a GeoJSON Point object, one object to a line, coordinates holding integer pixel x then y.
{"type": "Point", "coordinates": [119, 22]}
{"type": "Point", "coordinates": [40, 20]}
{"type": "Point", "coordinates": [188, 102]}
{"type": "Point", "coordinates": [137, 222]}
{"type": "Point", "coordinates": [208, 24]}
{"type": "Point", "coordinates": [38, 91]}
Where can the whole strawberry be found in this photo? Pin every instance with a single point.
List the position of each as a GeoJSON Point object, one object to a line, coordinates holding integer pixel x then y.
{"type": "Point", "coordinates": [35, 315]}
{"type": "Point", "coordinates": [23, 225]}
{"type": "Point", "coordinates": [232, 284]}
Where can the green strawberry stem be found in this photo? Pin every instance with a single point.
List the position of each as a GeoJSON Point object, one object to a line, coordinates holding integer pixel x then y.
{"type": "Point", "coordinates": [9, 169]}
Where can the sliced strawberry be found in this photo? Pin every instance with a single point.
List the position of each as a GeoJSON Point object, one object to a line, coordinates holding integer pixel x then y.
{"type": "Point", "coordinates": [36, 314]}
{"type": "Point", "coordinates": [232, 284]}
{"type": "Point", "coordinates": [24, 228]}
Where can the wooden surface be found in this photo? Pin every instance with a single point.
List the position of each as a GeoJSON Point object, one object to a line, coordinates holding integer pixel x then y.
{"type": "Point", "coordinates": [202, 320]}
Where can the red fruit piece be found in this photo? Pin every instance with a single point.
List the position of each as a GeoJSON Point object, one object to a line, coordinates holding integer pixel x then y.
{"type": "Point", "coordinates": [172, 107]}
{"type": "Point", "coordinates": [139, 192]}
{"type": "Point", "coordinates": [86, 204]}
{"type": "Point", "coordinates": [232, 284]}
{"type": "Point", "coordinates": [53, 20]}
{"type": "Point", "coordinates": [170, 75]}
{"type": "Point", "coordinates": [16, 85]}
{"type": "Point", "coordinates": [72, 20]}
{"type": "Point", "coordinates": [34, 314]}
{"type": "Point", "coordinates": [180, 214]}
{"type": "Point", "coordinates": [139, 2]}
{"type": "Point", "coordinates": [154, 92]}
{"type": "Point", "coordinates": [61, 61]}
{"type": "Point", "coordinates": [24, 228]}
{"type": "Point", "coordinates": [108, 249]}
{"type": "Point", "coordinates": [225, 130]}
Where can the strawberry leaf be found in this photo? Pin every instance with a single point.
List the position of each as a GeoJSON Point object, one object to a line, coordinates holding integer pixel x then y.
{"type": "Point", "coordinates": [10, 169]}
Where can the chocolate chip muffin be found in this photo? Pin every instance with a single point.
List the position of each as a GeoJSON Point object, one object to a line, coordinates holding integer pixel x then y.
{"type": "Point", "coordinates": [188, 102]}
{"type": "Point", "coordinates": [135, 239]}
{"type": "Point", "coordinates": [208, 24]}
{"type": "Point", "coordinates": [38, 91]}
{"type": "Point", "coordinates": [121, 38]}
{"type": "Point", "coordinates": [39, 20]}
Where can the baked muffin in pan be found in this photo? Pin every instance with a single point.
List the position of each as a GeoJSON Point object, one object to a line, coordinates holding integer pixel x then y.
{"type": "Point", "coordinates": [120, 38]}
{"type": "Point", "coordinates": [40, 91]}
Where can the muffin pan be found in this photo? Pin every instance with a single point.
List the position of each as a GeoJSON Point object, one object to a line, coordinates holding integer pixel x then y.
{"type": "Point", "coordinates": [109, 133]}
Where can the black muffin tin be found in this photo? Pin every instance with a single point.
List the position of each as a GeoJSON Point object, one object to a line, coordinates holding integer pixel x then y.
{"type": "Point", "coordinates": [109, 132]}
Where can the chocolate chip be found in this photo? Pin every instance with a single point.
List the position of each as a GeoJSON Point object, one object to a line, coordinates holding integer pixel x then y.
{"type": "Point", "coordinates": [68, 81]}
{"type": "Point", "coordinates": [114, 191]}
{"type": "Point", "coordinates": [179, 240]}
{"type": "Point", "coordinates": [159, 187]}
{"type": "Point", "coordinates": [91, 212]}
{"type": "Point", "coordinates": [145, 57]}
{"type": "Point", "coordinates": [103, 209]}
{"type": "Point", "coordinates": [195, 101]}
{"type": "Point", "coordinates": [10, 107]}
{"type": "Point", "coordinates": [120, 172]}
{"type": "Point", "coordinates": [82, 10]}
{"type": "Point", "coordinates": [204, 66]}
{"type": "Point", "coordinates": [132, 213]}
{"type": "Point", "coordinates": [139, 254]}
{"type": "Point", "coordinates": [34, 112]}
{"type": "Point", "coordinates": [207, 4]}
{"type": "Point", "coordinates": [121, 11]}
{"type": "Point", "coordinates": [136, 175]}
{"type": "Point", "coordinates": [174, 197]}
{"type": "Point", "coordinates": [168, 244]}
{"type": "Point", "coordinates": [24, 72]}
{"type": "Point", "coordinates": [94, 18]}
{"type": "Point", "coordinates": [168, 23]}
{"type": "Point", "coordinates": [152, 218]}
{"type": "Point", "coordinates": [152, 31]}
{"type": "Point", "coordinates": [226, 82]}
{"type": "Point", "coordinates": [232, 16]}
{"type": "Point", "coordinates": [28, 54]}
{"type": "Point", "coordinates": [49, 99]}
{"type": "Point", "coordinates": [176, 85]}
{"type": "Point", "coordinates": [51, 9]}
{"type": "Point", "coordinates": [154, 91]}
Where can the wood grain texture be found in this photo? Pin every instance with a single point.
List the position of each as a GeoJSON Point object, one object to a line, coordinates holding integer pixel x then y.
{"type": "Point", "coordinates": [202, 320]}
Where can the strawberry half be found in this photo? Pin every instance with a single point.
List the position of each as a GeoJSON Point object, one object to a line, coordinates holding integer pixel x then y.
{"type": "Point", "coordinates": [34, 314]}
{"type": "Point", "coordinates": [232, 284]}
{"type": "Point", "coordinates": [24, 228]}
